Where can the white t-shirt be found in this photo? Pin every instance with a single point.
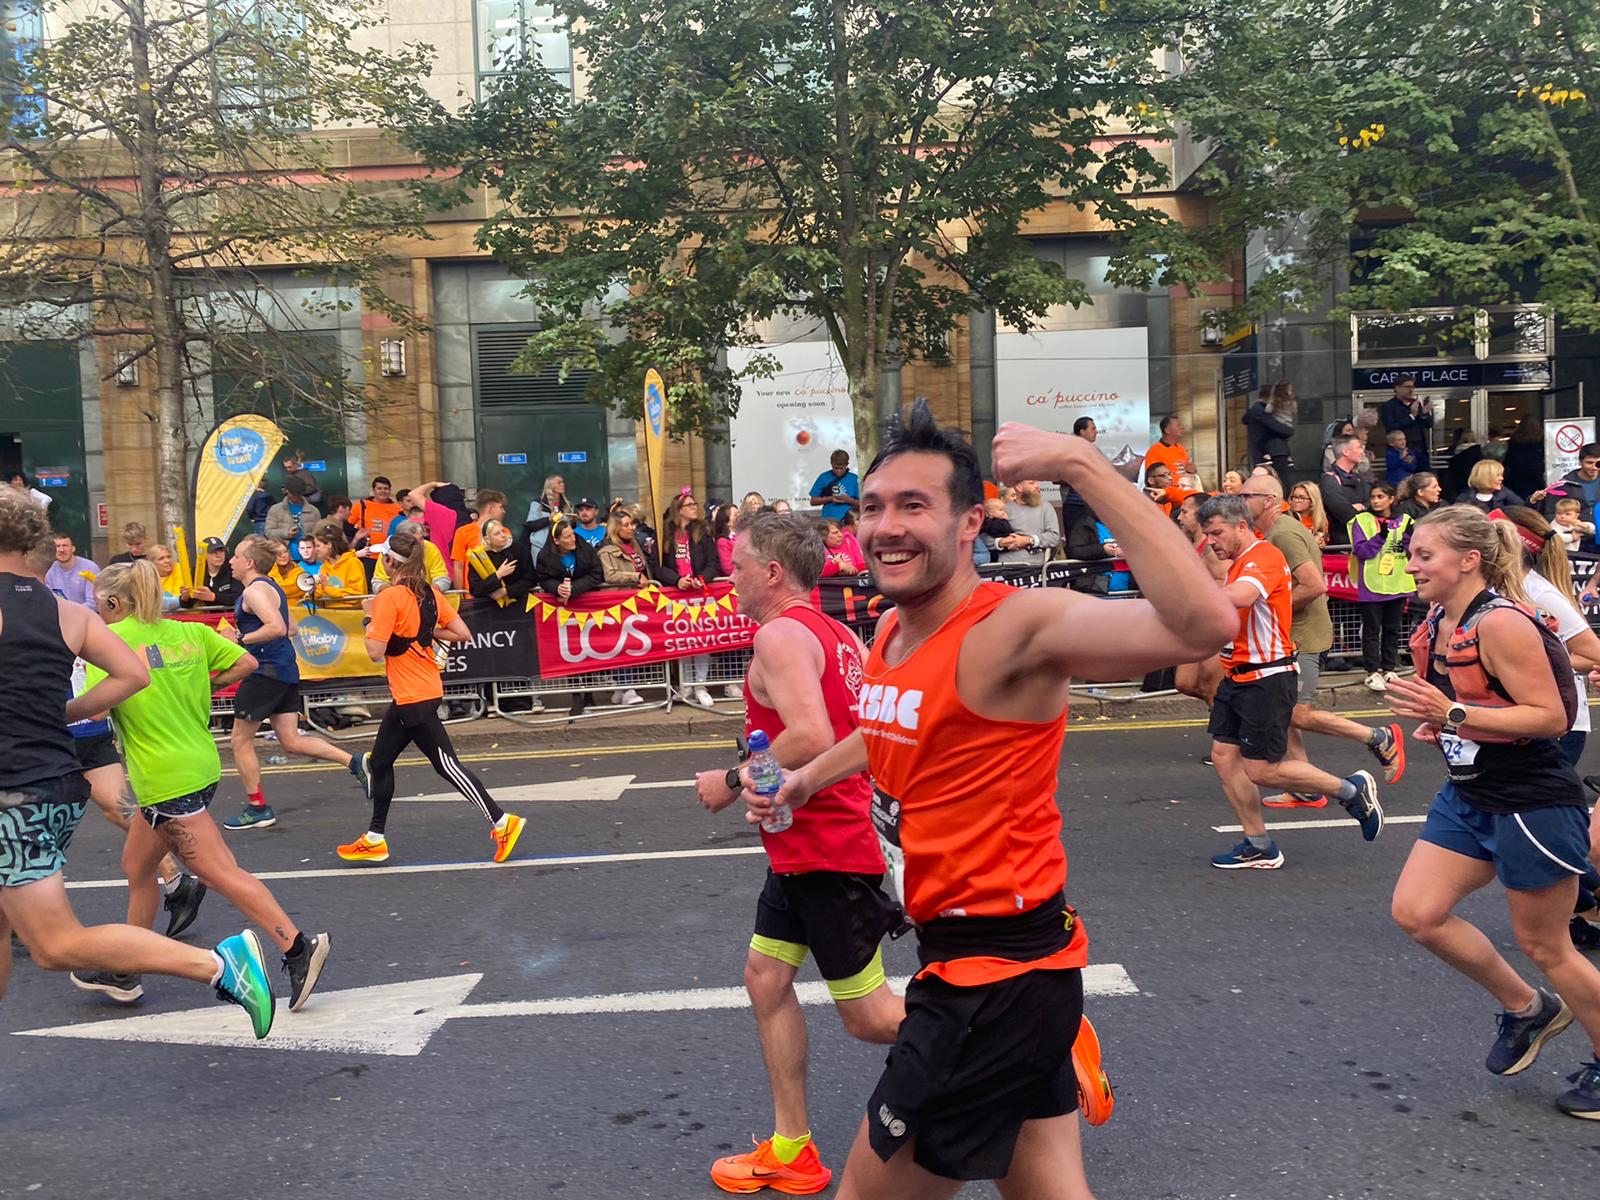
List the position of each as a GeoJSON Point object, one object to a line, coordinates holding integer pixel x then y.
{"type": "Point", "coordinates": [1569, 623]}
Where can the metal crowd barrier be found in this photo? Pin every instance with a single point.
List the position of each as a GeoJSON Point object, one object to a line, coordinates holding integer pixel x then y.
{"type": "Point", "coordinates": [653, 682]}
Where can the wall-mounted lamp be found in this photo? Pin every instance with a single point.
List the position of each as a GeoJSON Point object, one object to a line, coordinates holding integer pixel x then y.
{"type": "Point", "coordinates": [128, 370]}
{"type": "Point", "coordinates": [392, 358]}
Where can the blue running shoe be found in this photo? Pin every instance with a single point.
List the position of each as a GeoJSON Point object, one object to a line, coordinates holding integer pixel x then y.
{"type": "Point", "coordinates": [1244, 856]}
{"type": "Point", "coordinates": [245, 981]}
{"type": "Point", "coordinates": [1521, 1038]}
{"type": "Point", "coordinates": [1365, 807]}
{"type": "Point", "coordinates": [1583, 1101]}
{"type": "Point", "coordinates": [252, 817]}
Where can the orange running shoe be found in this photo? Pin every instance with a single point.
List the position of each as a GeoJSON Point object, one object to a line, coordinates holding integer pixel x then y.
{"type": "Point", "coordinates": [1094, 1088]}
{"type": "Point", "coordinates": [760, 1168]}
{"type": "Point", "coordinates": [1295, 800]}
{"type": "Point", "coordinates": [1391, 753]}
{"type": "Point", "coordinates": [363, 851]}
{"type": "Point", "coordinates": [505, 840]}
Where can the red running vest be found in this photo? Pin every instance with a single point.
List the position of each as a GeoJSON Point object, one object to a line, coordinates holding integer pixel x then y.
{"type": "Point", "coordinates": [833, 830]}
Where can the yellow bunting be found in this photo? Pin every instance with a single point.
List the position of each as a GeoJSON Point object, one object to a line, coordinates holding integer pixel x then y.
{"type": "Point", "coordinates": [630, 604]}
{"type": "Point", "coordinates": [677, 607]}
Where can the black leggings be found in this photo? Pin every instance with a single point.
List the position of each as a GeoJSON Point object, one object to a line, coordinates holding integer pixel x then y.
{"type": "Point", "coordinates": [419, 725]}
{"type": "Point", "coordinates": [1380, 634]}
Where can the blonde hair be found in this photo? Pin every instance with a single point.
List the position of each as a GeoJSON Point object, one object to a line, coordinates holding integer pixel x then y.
{"type": "Point", "coordinates": [135, 586]}
{"type": "Point", "coordinates": [1569, 505]}
{"type": "Point", "coordinates": [1464, 529]}
{"type": "Point", "coordinates": [1551, 562]}
{"type": "Point", "coordinates": [1487, 475]}
{"type": "Point", "coordinates": [1319, 513]}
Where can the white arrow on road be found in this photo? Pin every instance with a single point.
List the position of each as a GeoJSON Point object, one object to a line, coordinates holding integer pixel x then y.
{"type": "Point", "coordinates": [400, 1018]}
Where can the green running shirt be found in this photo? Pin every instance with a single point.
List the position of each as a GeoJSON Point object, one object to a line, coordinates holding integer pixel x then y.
{"type": "Point", "coordinates": [165, 729]}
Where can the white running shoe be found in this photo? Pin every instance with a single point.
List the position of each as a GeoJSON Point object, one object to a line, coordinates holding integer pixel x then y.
{"type": "Point", "coordinates": [626, 696]}
{"type": "Point", "coordinates": [1376, 683]}
{"type": "Point", "coordinates": [703, 698]}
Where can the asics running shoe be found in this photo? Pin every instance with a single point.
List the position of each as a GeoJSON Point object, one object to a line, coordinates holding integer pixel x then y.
{"type": "Point", "coordinates": [252, 817]}
{"type": "Point", "coordinates": [760, 1168]}
{"type": "Point", "coordinates": [505, 840]}
{"type": "Point", "coordinates": [363, 851]}
{"type": "Point", "coordinates": [245, 981]}
{"type": "Point", "coordinates": [1521, 1038]}
{"type": "Point", "coordinates": [1094, 1087]}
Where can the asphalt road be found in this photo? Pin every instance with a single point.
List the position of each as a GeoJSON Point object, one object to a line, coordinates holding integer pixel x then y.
{"type": "Point", "coordinates": [1286, 1042]}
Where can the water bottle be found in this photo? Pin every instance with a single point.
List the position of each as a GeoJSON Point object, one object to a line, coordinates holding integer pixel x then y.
{"type": "Point", "coordinates": [768, 778]}
{"type": "Point", "coordinates": [277, 760]}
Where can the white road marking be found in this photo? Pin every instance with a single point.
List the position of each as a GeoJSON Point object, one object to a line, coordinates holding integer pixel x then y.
{"type": "Point", "coordinates": [558, 860]}
{"type": "Point", "coordinates": [399, 1019]}
{"type": "Point", "coordinates": [664, 784]}
{"type": "Point", "coordinates": [606, 787]}
{"type": "Point", "coordinates": [1331, 823]}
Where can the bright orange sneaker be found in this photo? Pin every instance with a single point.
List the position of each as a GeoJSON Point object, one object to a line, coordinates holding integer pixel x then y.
{"type": "Point", "coordinates": [1094, 1088]}
{"type": "Point", "coordinates": [363, 851]}
{"type": "Point", "coordinates": [505, 840]}
{"type": "Point", "coordinates": [760, 1168]}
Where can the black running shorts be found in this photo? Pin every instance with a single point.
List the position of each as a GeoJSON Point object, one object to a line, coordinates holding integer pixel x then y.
{"type": "Point", "coordinates": [1255, 716]}
{"type": "Point", "coordinates": [260, 698]}
{"type": "Point", "coordinates": [839, 916]}
{"type": "Point", "coordinates": [971, 1064]}
{"type": "Point", "coordinates": [97, 751]}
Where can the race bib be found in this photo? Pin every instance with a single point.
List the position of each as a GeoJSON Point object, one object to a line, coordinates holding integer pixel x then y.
{"type": "Point", "coordinates": [886, 824]}
{"type": "Point", "coordinates": [1458, 751]}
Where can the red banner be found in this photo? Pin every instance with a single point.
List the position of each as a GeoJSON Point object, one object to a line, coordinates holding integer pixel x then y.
{"type": "Point", "coordinates": [604, 631]}
{"type": "Point", "coordinates": [1336, 569]}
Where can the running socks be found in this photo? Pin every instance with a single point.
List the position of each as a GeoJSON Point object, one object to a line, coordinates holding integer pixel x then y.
{"type": "Point", "coordinates": [1259, 840]}
{"type": "Point", "coordinates": [500, 826]}
{"type": "Point", "coordinates": [1347, 791]}
{"type": "Point", "coordinates": [216, 977]}
{"type": "Point", "coordinates": [255, 799]}
{"type": "Point", "coordinates": [1533, 1006]}
{"type": "Point", "coordinates": [1376, 738]}
{"type": "Point", "coordinates": [786, 1150]}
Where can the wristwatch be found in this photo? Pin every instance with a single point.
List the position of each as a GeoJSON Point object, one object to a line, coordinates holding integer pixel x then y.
{"type": "Point", "coordinates": [1455, 717]}
{"type": "Point", "coordinates": [735, 784]}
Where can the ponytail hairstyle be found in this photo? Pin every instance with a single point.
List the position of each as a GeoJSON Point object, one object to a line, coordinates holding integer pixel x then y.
{"type": "Point", "coordinates": [408, 563]}
{"type": "Point", "coordinates": [129, 590]}
{"type": "Point", "coordinates": [1551, 559]}
{"type": "Point", "coordinates": [1465, 528]}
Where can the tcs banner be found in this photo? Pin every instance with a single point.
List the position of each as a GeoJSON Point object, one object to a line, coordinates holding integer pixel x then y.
{"type": "Point", "coordinates": [602, 631]}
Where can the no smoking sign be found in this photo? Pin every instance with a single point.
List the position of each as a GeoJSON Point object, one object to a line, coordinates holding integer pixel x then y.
{"type": "Point", "coordinates": [1569, 438]}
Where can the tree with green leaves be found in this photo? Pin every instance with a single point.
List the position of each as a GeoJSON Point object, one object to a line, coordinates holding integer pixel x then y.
{"type": "Point", "coordinates": [1448, 149]}
{"type": "Point", "coordinates": [160, 152]}
{"type": "Point", "coordinates": [869, 167]}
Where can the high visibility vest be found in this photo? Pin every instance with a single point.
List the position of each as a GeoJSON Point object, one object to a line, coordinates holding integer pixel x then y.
{"type": "Point", "coordinates": [1384, 574]}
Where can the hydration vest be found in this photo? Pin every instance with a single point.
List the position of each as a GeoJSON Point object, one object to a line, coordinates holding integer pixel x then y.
{"type": "Point", "coordinates": [1461, 665]}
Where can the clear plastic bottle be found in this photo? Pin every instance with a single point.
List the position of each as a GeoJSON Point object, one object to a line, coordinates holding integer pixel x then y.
{"type": "Point", "coordinates": [768, 778]}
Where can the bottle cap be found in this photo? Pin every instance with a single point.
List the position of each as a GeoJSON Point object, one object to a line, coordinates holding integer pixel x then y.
{"type": "Point", "coordinates": [758, 741]}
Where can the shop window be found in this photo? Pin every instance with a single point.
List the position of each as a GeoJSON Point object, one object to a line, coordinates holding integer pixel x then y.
{"type": "Point", "coordinates": [21, 31]}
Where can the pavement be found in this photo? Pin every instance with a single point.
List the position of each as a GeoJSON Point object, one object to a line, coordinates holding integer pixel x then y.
{"type": "Point", "coordinates": [570, 1024]}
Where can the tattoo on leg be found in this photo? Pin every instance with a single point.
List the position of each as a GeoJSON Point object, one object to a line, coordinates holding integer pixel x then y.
{"type": "Point", "coordinates": [127, 806]}
{"type": "Point", "coordinates": [180, 840]}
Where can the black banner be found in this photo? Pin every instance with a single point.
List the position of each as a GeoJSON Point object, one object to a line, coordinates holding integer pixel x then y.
{"type": "Point", "coordinates": [501, 647]}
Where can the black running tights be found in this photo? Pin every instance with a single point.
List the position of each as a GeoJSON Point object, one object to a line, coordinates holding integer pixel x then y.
{"type": "Point", "coordinates": [419, 725]}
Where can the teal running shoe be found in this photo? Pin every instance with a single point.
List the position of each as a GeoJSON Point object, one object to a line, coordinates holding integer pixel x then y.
{"type": "Point", "coordinates": [245, 981]}
{"type": "Point", "coordinates": [252, 817]}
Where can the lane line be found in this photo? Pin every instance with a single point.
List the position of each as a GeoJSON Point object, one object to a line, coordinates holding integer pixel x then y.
{"type": "Point", "coordinates": [554, 860]}
{"type": "Point", "coordinates": [601, 788]}
{"type": "Point", "coordinates": [1099, 979]}
{"type": "Point", "coordinates": [1332, 823]}
{"type": "Point", "coordinates": [415, 760]}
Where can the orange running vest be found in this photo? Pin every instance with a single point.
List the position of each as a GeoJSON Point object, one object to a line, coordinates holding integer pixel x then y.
{"type": "Point", "coordinates": [964, 805]}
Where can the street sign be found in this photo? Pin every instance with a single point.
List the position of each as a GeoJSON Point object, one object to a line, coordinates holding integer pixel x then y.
{"type": "Point", "coordinates": [572, 456]}
{"type": "Point", "coordinates": [513, 460]}
{"type": "Point", "coordinates": [316, 464]}
{"type": "Point", "coordinates": [102, 516]}
{"type": "Point", "coordinates": [1563, 439]}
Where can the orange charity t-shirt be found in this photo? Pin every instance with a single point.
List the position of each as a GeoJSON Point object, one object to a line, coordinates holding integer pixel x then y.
{"type": "Point", "coordinates": [1264, 627]}
{"type": "Point", "coordinates": [468, 536]}
{"type": "Point", "coordinates": [375, 516]}
{"type": "Point", "coordinates": [413, 676]}
{"type": "Point", "coordinates": [1172, 456]}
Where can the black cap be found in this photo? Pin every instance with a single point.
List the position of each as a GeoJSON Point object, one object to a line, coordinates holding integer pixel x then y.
{"type": "Point", "coordinates": [587, 503]}
{"type": "Point", "coordinates": [214, 543]}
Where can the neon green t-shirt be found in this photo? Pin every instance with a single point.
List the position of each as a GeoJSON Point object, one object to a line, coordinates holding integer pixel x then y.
{"type": "Point", "coordinates": [165, 729]}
